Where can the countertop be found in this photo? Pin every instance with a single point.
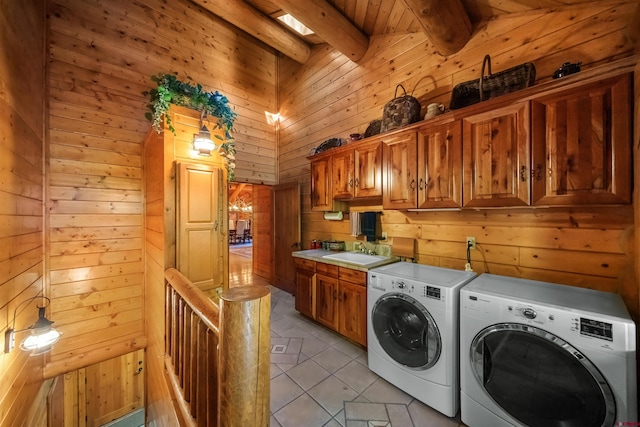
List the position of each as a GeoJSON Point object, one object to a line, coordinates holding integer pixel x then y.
{"type": "Point", "coordinates": [317, 254]}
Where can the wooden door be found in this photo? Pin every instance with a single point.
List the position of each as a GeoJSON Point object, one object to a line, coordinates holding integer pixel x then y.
{"type": "Point", "coordinates": [368, 170]}
{"type": "Point", "coordinates": [112, 388]}
{"type": "Point", "coordinates": [342, 171]}
{"type": "Point", "coordinates": [321, 191]}
{"type": "Point", "coordinates": [496, 157]}
{"type": "Point", "coordinates": [352, 311]}
{"type": "Point", "coordinates": [440, 166]}
{"type": "Point", "coordinates": [286, 234]}
{"type": "Point", "coordinates": [582, 145]}
{"type": "Point", "coordinates": [327, 301]}
{"type": "Point", "coordinates": [399, 172]}
{"type": "Point", "coordinates": [200, 243]}
{"type": "Point", "coordinates": [262, 231]}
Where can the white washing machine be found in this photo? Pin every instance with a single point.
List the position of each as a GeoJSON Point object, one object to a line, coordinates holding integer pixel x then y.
{"type": "Point", "coordinates": [413, 330]}
{"type": "Point", "coordinates": [543, 355]}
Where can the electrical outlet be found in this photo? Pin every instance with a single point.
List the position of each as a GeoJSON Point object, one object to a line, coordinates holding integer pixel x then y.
{"type": "Point", "coordinates": [471, 242]}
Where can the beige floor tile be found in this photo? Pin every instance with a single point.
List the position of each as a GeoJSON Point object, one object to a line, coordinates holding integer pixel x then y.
{"type": "Point", "coordinates": [382, 391]}
{"type": "Point", "coordinates": [365, 411]}
{"type": "Point", "coordinates": [303, 411]}
{"type": "Point", "coordinates": [283, 391]}
{"type": "Point", "coordinates": [331, 393]}
{"type": "Point", "coordinates": [356, 376]}
{"type": "Point", "coordinates": [307, 374]}
{"type": "Point", "coordinates": [331, 359]}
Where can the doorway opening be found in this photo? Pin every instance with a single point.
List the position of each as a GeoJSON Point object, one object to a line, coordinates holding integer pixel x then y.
{"type": "Point", "coordinates": [240, 233]}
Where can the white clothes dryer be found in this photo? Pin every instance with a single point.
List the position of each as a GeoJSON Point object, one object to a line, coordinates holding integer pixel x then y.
{"type": "Point", "coordinates": [413, 330]}
{"type": "Point", "coordinates": [540, 354]}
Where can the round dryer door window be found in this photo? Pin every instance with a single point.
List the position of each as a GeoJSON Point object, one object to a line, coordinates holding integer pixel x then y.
{"type": "Point", "coordinates": [406, 331]}
{"type": "Point", "coordinates": [540, 379]}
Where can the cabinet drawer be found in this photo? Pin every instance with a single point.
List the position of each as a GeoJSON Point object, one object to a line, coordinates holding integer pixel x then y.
{"type": "Point", "coordinates": [304, 264]}
{"type": "Point", "coordinates": [327, 269]}
{"type": "Point", "coordinates": [353, 276]}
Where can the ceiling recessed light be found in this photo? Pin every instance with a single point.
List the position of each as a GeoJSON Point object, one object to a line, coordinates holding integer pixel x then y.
{"type": "Point", "coordinates": [296, 25]}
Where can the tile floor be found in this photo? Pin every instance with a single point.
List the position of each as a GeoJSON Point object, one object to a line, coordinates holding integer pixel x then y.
{"type": "Point", "coordinates": [321, 379]}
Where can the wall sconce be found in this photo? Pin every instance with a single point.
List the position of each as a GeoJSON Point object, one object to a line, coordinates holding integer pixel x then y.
{"type": "Point", "coordinates": [42, 336]}
{"type": "Point", "coordinates": [202, 141]}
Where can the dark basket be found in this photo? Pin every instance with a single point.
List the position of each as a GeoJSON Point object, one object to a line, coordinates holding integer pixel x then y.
{"type": "Point", "coordinates": [400, 111]}
{"type": "Point", "coordinates": [493, 85]}
{"type": "Point", "coordinates": [373, 128]}
{"type": "Point", "coordinates": [329, 143]}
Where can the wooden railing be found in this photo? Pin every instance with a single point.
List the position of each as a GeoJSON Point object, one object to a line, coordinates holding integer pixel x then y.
{"type": "Point", "coordinates": [217, 356]}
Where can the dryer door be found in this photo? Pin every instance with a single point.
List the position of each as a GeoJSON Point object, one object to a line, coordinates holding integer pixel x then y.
{"type": "Point", "coordinates": [539, 379]}
{"type": "Point", "coordinates": [406, 331]}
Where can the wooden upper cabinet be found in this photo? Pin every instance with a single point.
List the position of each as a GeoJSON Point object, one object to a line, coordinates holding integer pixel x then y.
{"type": "Point", "coordinates": [440, 166]}
{"type": "Point", "coordinates": [582, 144]}
{"type": "Point", "coordinates": [321, 194]}
{"type": "Point", "coordinates": [368, 170]}
{"type": "Point", "coordinates": [496, 157]}
{"type": "Point", "coordinates": [399, 172]}
{"type": "Point", "coordinates": [357, 172]}
{"type": "Point", "coordinates": [343, 175]}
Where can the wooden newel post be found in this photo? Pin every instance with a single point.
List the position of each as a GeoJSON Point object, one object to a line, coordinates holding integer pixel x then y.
{"type": "Point", "coordinates": [245, 351]}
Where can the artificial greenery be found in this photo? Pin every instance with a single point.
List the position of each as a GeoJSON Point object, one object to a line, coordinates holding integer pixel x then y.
{"type": "Point", "coordinates": [170, 90]}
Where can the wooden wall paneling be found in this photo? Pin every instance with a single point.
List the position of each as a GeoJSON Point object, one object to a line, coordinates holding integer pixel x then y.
{"type": "Point", "coordinates": [521, 242]}
{"type": "Point", "coordinates": [158, 256]}
{"type": "Point", "coordinates": [630, 291]}
{"type": "Point", "coordinates": [22, 126]}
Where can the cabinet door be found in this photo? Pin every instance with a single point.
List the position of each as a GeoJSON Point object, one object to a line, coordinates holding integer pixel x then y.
{"type": "Point", "coordinates": [321, 199]}
{"type": "Point", "coordinates": [399, 172]}
{"type": "Point", "coordinates": [327, 301]}
{"type": "Point", "coordinates": [582, 145]}
{"type": "Point", "coordinates": [305, 290]}
{"type": "Point", "coordinates": [368, 170]}
{"type": "Point", "coordinates": [496, 157]}
{"type": "Point", "coordinates": [440, 166]}
{"type": "Point", "coordinates": [352, 313]}
{"type": "Point", "coordinates": [343, 176]}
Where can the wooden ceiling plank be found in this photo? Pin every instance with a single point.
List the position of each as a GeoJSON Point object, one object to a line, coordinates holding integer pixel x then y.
{"type": "Point", "coordinates": [446, 23]}
{"type": "Point", "coordinates": [330, 25]}
{"type": "Point", "coordinates": [251, 20]}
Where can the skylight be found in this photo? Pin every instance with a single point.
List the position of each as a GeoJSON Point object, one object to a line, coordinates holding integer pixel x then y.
{"type": "Point", "coordinates": [296, 25]}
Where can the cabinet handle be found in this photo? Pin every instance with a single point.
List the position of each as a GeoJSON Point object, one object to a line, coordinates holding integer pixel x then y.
{"type": "Point", "coordinates": [412, 185]}
{"type": "Point", "coordinates": [357, 182]}
{"type": "Point", "coordinates": [335, 294]}
{"type": "Point", "coordinates": [421, 184]}
{"type": "Point", "coordinates": [215, 225]}
{"type": "Point", "coordinates": [350, 183]}
{"type": "Point", "coordinates": [523, 173]}
{"type": "Point", "coordinates": [538, 172]}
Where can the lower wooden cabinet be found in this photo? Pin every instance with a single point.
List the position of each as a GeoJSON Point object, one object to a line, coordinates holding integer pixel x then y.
{"type": "Point", "coordinates": [334, 296]}
{"type": "Point", "coordinates": [305, 286]}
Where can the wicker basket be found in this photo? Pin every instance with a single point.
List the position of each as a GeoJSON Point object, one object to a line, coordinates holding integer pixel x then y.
{"type": "Point", "coordinates": [400, 111]}
{"type": "Point", "coordinates": [492, 85]}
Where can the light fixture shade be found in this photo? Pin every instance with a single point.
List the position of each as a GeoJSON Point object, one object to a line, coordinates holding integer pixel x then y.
{"type": "Point", "coordinates": [42, 337]}
{"type": "Point", "coordinates": [202, 142]}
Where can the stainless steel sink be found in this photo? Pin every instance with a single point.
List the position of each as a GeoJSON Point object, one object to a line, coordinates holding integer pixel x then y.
{"type": "Point", "coordinates": [356, 258]}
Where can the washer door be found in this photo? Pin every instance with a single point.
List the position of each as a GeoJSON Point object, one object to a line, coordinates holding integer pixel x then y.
{"type": "Point", "coordinates": [539, 379]}
{"type": "Point", "coordinates": [406, 331]}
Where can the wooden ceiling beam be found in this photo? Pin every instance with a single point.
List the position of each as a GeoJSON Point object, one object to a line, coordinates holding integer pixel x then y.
{"type": "Point", "coordinates": [445, 22]}
{"type": "Point", "coordinates": [329, 24]}
{"type": "Point", "coordinates": [262, 27]}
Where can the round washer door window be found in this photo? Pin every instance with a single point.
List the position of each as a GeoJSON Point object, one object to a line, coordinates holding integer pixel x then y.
{"type": "Point", "coordinates": [540, 379]}
{"type": "Point", "coordinates": [406, 331]}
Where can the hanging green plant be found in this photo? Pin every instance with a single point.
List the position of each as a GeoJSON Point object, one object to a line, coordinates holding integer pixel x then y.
{"type": "Point", "coordinates": [170, 90]}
